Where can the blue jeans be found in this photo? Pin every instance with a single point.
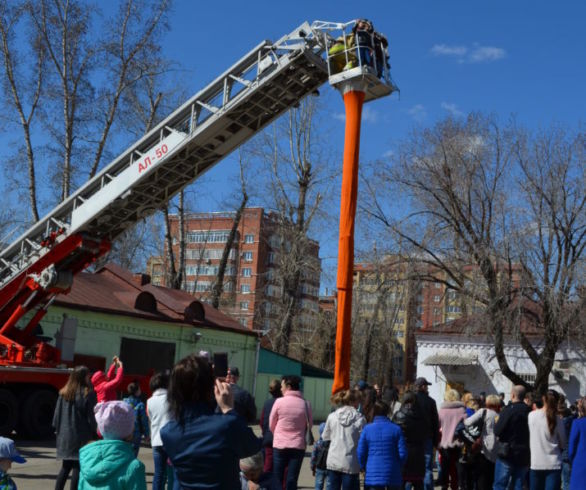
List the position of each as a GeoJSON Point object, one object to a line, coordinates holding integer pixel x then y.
{"type": "Point", "coordinates": [320, 478]}
{"type": "Point", "coordinates": [160, 474]}
{"type": "Point", "coordinates": [566, 472]}
{"type": "Point", "coordinates": [290, 460]}
{"type": "Point", "coordinates": [345, 481]}
{"type": "Point", "coordinates": [428, 452]}
{"type": "Point", "coordinates": [545, 479]}
{"type": "Point", "coordinates": [508, 476]}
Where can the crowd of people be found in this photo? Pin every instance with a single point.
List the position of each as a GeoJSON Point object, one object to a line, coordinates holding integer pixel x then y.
{"type": "Point", "coordinates": [198, 427]}
{"type": "Point", "coordinates": [479, 442]}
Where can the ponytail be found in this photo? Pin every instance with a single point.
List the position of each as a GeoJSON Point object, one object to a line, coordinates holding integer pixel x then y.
{"type": "Point", "coordinates": [551, 404]}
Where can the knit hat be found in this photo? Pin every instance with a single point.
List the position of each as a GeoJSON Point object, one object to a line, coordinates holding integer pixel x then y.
{"type": "Point", "coordinates": [115, 419]}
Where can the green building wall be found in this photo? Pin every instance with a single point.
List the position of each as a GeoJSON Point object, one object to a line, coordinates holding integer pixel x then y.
{"type": "Point", "coordinates": [100, 334]}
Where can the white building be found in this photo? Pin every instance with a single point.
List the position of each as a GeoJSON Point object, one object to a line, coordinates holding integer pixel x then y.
{"type": "Point", "coordinates": [449, 358]}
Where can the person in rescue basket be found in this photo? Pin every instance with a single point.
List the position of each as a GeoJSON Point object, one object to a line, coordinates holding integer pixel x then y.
{"type": "Point", "coordinates": [141, 423]}
{"type": "Point", "coordinates": [204, 447]}
{"type": "Point", "coordinates": [110, 463]}
{"type": "Point", "coordinates": [105, 386]}
{"type": "Point", "coordinates": [382, 451]}
{"type": "Point", "coordinates": [74, 423]}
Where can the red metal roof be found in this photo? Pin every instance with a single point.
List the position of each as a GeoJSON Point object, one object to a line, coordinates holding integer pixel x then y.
{"type": "Point", "coordinates": [113, 289]}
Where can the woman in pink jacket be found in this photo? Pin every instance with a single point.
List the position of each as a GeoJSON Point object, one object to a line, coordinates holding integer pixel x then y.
{"type": "Point", "coordinates": [289, 419]}
{"type": "Point", "coordinates": [450, 413]}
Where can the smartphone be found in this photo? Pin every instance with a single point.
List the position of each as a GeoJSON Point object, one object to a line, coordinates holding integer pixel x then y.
{"type": "Point", "coordinates": [220, 364]}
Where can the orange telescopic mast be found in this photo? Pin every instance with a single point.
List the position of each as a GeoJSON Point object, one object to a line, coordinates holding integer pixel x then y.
{"type": "Point", "coordinates": [361, 73]}
{"type": "Point", "coordinates": [353, 101]}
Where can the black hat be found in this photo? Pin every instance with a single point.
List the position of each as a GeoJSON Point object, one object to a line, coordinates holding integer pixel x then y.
{"type": "Point", "coordinates": [234, 371]}
{"type": "Point", "coordinates": [422, 382]}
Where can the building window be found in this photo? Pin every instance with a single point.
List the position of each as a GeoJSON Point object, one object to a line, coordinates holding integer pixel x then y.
{"type": "Point", "coordinates": [245, 288]}
{"type": "Point", "coordinates": [247, 256]}
{"type": "Point", "coordinates": [437, 311]}
{"type": "Point", "coordinates": [248, 238]}
{"type": "Point", "coordinates": [271, 258]}
{"type": "Point", "coordinates": [438, 285]}
{"type": "Point", "coordinates": [437, 298]}
{"type": "Point", "coordinates": [243, 321]}
{"type": "Point", "coordinates": [228, 286]}
{"type": "Point", "coordinates": [246, 272]}
{"type": "Point", "coordinates": [454, 309]}
{"type": "Point", "coordinates": [219, 236]}
{"type": "Point", "coordinates": [244, 305]}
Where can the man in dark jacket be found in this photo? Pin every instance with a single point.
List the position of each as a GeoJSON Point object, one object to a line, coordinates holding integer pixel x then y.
{"type": "Point", "coordinates": [512, 431]}
{"type": "Point", "coordinates": [243, 400]}
{"type": "Point", "coordinates": [428, 408]}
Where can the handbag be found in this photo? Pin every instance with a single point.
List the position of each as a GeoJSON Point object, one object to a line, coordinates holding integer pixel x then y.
{"type": "Point", "coordinates": [309, 440]}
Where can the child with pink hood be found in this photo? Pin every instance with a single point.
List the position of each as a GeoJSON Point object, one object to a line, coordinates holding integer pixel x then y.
{"type": "Point", "coordinates": [105, 385]}
{"type": "Point", "coordinates": [110, 463]}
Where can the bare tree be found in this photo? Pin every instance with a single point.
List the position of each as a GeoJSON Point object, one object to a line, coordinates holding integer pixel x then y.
{"type": "Point", "coordinates": [484, 200]}
{"type": "Point", "coordinates": [77, 71]}
{"type": "Point", "coordinates": [379, 309]}
{"type": "Point", "coordinates": [218, 286]}
{"type": "Point", "coordinates": [296, 162]}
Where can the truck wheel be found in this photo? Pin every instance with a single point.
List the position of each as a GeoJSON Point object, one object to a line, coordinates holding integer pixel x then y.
{"type": "Point", "coordinates": [37, 414]}
{"type": "Point", "coordinates": [8, 412]}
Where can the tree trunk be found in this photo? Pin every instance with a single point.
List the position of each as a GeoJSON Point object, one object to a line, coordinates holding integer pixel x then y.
{"type": "Point", "coordinates": [219, 283]}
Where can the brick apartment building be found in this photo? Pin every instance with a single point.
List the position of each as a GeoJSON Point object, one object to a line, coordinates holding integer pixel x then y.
{"type": "Point", "coordinates": [252, 290]}
{"type": "Point", "coordinates": [412, 304]}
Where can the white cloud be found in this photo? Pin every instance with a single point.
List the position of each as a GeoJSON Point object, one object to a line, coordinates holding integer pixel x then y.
{"type": "Point", "coordinates": [417, 112]}
{"type": "Point", "coordinates": [388, 154]}
{"type": "Point", "coordinates": [452, 109]}
{"type": "Point", "coordinates": [482, 54]}
{"type": "Point", "coordinates": [445, 50]}
{"type": "Point", "coordinates": [469, 54]}
{"type": "Point", "coordinates": [369, 115]}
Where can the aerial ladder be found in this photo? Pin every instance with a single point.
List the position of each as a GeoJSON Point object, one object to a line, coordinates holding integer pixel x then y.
{"type": "Point", "coordinates": [266, 82]}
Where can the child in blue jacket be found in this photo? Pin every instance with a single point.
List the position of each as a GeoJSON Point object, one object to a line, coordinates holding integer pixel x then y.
{"type": "Point", "coordinates": [110, 463]}
{"type": "Point", "coordinates": [8, 455]}
{"type": "Point", "coordinates": [382, 451]}
{"type": "Point", "coordinates": [141, 421]}
{"type": "Point", "coordinates": [319, 471]}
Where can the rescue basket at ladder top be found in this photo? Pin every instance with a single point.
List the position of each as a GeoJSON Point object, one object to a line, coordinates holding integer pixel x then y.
{"type": "Point", "coordinates": [358, 59]}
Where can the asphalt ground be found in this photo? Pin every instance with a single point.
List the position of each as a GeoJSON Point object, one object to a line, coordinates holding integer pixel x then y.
{"type": "Point", "coordinates": [41, 469]}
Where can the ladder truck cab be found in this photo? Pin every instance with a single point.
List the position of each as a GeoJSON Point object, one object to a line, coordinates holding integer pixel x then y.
{"type": "Point", "coordinates": [42, 263]}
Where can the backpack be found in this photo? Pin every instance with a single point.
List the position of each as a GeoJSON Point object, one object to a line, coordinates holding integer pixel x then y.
{"type": "Point", "coordinates": [321, 457]}
{"type": "Point", "coordinates": [471, 435]}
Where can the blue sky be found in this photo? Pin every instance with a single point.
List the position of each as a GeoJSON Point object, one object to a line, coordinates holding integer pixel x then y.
{"type": "Point", "coordinates": [520, 58]}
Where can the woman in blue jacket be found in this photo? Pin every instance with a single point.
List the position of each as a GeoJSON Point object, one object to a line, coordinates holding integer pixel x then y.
{"type": "Point", "coordinates": [577, 448]}
{"type": "Point", "coordinates": [382, 451]}
{"type": "Point", "coordinates": [205, 447]}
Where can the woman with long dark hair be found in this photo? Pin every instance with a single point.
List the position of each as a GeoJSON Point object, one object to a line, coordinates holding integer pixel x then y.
{"type": "Point", "coordinates": [205, 447]}
{"type": "Point", "coordinates": [547, 439]}
{"type": "Point", "coordinates": [74, 423]}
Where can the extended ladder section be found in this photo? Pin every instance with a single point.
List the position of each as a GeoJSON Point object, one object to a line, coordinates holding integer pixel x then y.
{"type": "Point", "coordinates": [270, 79]}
